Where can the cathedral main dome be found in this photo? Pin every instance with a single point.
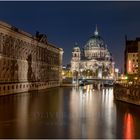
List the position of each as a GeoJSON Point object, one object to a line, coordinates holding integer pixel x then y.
{"type": "Point", "coordinates": [95, 41]}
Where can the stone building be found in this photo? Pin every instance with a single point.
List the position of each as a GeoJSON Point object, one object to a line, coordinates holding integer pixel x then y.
{"type": "Point", "coordinates": [27, 62]}
{"type": "Point", "coordinates": [94, 61]}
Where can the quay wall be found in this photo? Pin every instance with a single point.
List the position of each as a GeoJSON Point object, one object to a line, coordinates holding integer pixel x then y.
{"type": "Point", "coordinates": [127, 93]}
{"type": "Point", "coordinates": [11, 88]}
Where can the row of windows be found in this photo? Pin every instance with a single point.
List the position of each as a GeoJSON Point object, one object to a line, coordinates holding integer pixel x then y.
{"type": "Point", "coordinates": [135, 60]}
{"type": "Point", "coordinates": [135, 71]}
{"type": "Point", "coordinates": [96, 54]}
{"type": "Point", "coordinates": [12, 87]}
{"type": "Point", "coordinates": [135, 55]}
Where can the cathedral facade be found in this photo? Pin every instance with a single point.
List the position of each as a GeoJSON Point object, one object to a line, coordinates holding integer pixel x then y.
{"type": "Point", "coordinates": [27, 62]}
{"type": "Point", "coordinates": [94, 60]}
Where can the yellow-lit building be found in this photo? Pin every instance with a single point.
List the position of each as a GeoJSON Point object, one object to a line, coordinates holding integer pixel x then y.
{"type": "Point", "coordinates": [139, 59]}
{"type": "Point", "coordinates": [27, 62]}
{"type": "Point", "coordinates": [132, 63]}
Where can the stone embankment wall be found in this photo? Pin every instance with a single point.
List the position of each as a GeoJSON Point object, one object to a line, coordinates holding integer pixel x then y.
{"type": "Point", "coordinates": [11, 88]}
{"type": "Point", "coordinates": [127, 93]}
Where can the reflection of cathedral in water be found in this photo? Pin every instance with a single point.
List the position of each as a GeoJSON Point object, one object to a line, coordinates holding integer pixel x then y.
{"type": "Point", "coordinates": [94, 61]}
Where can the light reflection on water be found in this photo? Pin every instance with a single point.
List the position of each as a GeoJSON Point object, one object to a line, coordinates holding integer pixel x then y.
{"type": "Point", "coordinates": [78, 112]}
{"type": "Point", "coordinates": [128, 126]}
{"type": "Point", "coordinates": [22, 113]}
{"type": "Point", "coordinates": [96, 107]}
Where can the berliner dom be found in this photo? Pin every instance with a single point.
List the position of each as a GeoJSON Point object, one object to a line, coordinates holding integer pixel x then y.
{"type": "Point", "coordinates": [93, 60]}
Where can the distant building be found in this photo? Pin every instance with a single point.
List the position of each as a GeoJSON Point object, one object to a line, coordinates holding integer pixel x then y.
{"type": "Point", "coordinates": [94, 60]}
{"type": "Point", "coordinates": [131, 54]}
{"type": "Point", "coordinates": [27, 62]}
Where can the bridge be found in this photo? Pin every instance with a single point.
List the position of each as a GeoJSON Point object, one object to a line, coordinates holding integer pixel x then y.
{"type": "Point", "coordinates": [100, 81]}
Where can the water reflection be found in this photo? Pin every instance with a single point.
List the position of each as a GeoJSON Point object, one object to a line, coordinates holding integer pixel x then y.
{"type": "Point", "coordinates": [78, 112]}
{"type": "Point", "coordinates": [128, 126]}
{"type": "Point", "coordinates": [95, 111]}
{"type": "Point", "coordinates": [22, 113]}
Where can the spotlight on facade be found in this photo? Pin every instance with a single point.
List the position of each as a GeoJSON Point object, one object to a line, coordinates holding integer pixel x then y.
{"type": "Point", "coordinates": [135, 78]}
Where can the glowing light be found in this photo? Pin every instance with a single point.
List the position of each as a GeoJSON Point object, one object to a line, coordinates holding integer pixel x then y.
{"type": "Point", "coordinates": [124, 77]}
{"type": "Point", "coordinates": [130, 83]}
{"type": "Point", "coordinates": [136, 78]}
{"type": "Point", "coordinates": [116, 70]}
{"type": "Point", "coordinates": [129, 66]}
{"type": "Point", "coordinates": [63, 73]}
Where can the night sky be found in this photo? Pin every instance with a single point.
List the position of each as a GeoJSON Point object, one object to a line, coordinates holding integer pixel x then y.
{"type": "Point", "coordinates": [65, 23]}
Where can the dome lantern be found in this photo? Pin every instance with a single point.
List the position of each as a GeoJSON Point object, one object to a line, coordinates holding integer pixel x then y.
{"type": "Point", "coordinates": [96, 31]}
{"type": "Point", "coordinates": [95, 41]}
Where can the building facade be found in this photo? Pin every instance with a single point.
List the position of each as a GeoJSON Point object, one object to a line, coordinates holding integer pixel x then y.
{"type": "Point", "coordinates": [139, 60]}
{"type": "Point", "coordinates": [94, 61]}
{"type": "Point", "coordinates": [27, 62]}
{"type": "Point", "coordinates": [131, 55]}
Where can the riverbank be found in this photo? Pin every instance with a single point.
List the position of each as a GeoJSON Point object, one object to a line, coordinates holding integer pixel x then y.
{"type": "Point", "coordinates": [127, 93]}
{"type": "Point", "coordinates": [13, 88]}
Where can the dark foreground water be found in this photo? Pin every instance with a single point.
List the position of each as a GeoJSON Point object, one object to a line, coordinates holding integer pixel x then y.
{"type": "Point", "coordinates": [68, 113]}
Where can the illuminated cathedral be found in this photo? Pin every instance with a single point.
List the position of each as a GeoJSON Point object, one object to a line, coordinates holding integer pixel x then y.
{"type": "Point", "coordinates": [94, 60]}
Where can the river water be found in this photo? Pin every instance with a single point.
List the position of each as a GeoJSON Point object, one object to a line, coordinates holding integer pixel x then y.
{"type": "Point", "coordinates": [68, 112]}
